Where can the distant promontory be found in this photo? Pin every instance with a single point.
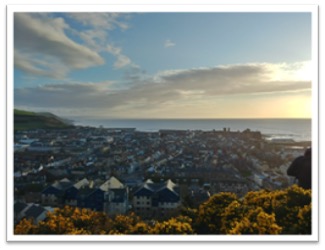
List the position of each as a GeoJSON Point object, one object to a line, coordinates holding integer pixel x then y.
{"type": "Point", "coordinates": [26, 120]}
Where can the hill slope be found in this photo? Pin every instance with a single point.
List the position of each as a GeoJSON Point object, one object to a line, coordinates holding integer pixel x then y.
{"type": "Point", "coordinates": [24, 120]}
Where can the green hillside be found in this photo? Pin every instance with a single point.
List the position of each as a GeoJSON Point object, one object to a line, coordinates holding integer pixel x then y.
{"type": "Point", "coordinates": [24, 120]}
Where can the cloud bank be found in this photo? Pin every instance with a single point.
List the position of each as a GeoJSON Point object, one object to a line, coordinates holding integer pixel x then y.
{"type": "Point", "coordinates": [174, 89]}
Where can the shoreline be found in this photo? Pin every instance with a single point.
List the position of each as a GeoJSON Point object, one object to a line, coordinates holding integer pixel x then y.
{"type": "Point", "coordinates": [295, 129]}
{"type": "Point", "coordinates": [271, 138]}
{"type": "Point", "coordinates": [293, 144]}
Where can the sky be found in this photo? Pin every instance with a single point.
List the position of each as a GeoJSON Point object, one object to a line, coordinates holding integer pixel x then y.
{"type": "Point", "coordinates": [163, 65]}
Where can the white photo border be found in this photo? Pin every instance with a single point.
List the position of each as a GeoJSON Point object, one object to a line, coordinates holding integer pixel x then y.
{"type": "Point", "coordinates": [312, 8]}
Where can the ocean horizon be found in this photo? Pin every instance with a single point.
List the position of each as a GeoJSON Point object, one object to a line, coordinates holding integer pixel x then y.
{"type": "Point", "coordinates": [297, 129]}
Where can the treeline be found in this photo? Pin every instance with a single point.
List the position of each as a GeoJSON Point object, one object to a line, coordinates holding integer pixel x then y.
{"type": "Point", "coordinates": [285, 211]}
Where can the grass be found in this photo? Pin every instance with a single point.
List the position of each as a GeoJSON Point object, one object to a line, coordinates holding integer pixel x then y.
{"type": "Point", "coordinates": [23, 112]}
{"type": "Point", "coordinates": [26, 120]}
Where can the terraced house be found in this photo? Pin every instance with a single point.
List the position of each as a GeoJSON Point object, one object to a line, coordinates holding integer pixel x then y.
{"type": "Point", "coordinates": [110, 197]}
{"type": "Point", "coordinates": [156, 200]}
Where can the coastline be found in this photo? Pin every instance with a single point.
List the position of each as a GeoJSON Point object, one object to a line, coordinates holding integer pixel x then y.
{"type": "Point", "coordinates": [282, 129]}
{"type": "Point", "coordinates": [292, 144]}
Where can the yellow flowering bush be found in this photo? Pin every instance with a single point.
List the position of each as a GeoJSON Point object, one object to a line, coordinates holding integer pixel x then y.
{"type": "Point", "coordinates": [304, 220]}
{"type": "Point", "coordinates": [210, 213]}
{"type": "Point", "coordinates": [25, 227]}
{"type": "Point", "coordinates": [67, 220]}
{"type": "Point", "coordinates": [172, 226]}
{"type": "Point", "coordinates": [256, 221]}
{"type": "Point", "coordinates": [140, 228]}
{"type": "Point", "coordinates": [287, 211]}
{"type": "Point", "coordinates": [124, 224]}
{"type": "Point", "coordinates": [285, 204]}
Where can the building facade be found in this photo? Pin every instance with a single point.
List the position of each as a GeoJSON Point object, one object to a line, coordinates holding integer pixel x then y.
{"type": "Point", "coordinates": [156, 200]}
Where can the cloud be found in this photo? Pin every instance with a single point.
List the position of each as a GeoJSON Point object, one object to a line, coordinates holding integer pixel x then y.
{"type": "Point", "coordinates": [106, 21]}
{"type": "Point", "coordinates": [173, 90]}
{"type": "Point", "coordinates": [96, 32]}
{"type": "Point", "coordinates": [232, 79]}
{"type": "Point", "coordinates": [44, 45]}
{"type": "Point", "coordinates": [33, 66]}
{"type": "Point", "coordinates": [94, 39]}
{"type": "Point", "coordinates": [168, 43]}
{"type": "Point", "coordinates": [121, 59]}
{"type": "Point", "coordinates": [41, 42]}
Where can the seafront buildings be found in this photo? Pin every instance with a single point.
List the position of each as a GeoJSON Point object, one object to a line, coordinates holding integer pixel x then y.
{"type": "Point", "coordinates": [152, 174]}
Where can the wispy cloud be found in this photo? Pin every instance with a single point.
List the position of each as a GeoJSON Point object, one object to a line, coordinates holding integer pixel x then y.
{"type": "Point", "coordinates": [121, 59]}
{"type": "Point", "coordinates": [42, 46]}
{"type": "Point", "coordinates": [106, 21]}
{"type": "Point", "coordinates": [96, 33]}
{"type": "Point", "coordinates": [168, 43]}
{"type": "Point", "coordinates": [165, 89]}
{"type": "Point", "coordinates": [36, 67]}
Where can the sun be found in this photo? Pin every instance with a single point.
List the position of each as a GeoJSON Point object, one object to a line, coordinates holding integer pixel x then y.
{"type": "Point", "coordinates": [301, 107]}
{"type": "Point", "coordinates": [304, 73]}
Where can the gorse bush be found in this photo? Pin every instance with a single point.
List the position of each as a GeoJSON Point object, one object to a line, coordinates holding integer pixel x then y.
{"type": "Point", "coordinates": [67, 220]}
{"type": "Point", "coordinates": [173, 226]}
{"type": "Point", "coordinates": [285, 211]}
{"type": "Point", "coordinates": [286, 205]}
{"type": "Point", "coordinates": [260, 212]}
{"type": "Point", "coordinates": [210, 213]}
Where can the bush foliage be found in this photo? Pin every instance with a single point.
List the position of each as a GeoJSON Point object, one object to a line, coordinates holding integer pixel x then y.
{"type": "Point", "coordinates": [285, 211]}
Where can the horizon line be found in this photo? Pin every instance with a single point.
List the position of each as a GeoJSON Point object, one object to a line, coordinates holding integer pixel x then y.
{"type": "Point", "coordinates": [196, 118]}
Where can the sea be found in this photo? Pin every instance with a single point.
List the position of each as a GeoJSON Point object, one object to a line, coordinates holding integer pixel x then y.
{"type": "Point", "coordinates": [291, 129]}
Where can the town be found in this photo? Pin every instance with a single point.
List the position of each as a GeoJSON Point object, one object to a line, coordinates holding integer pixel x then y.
{"type": "Point", "coordinates": [153, 174]}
